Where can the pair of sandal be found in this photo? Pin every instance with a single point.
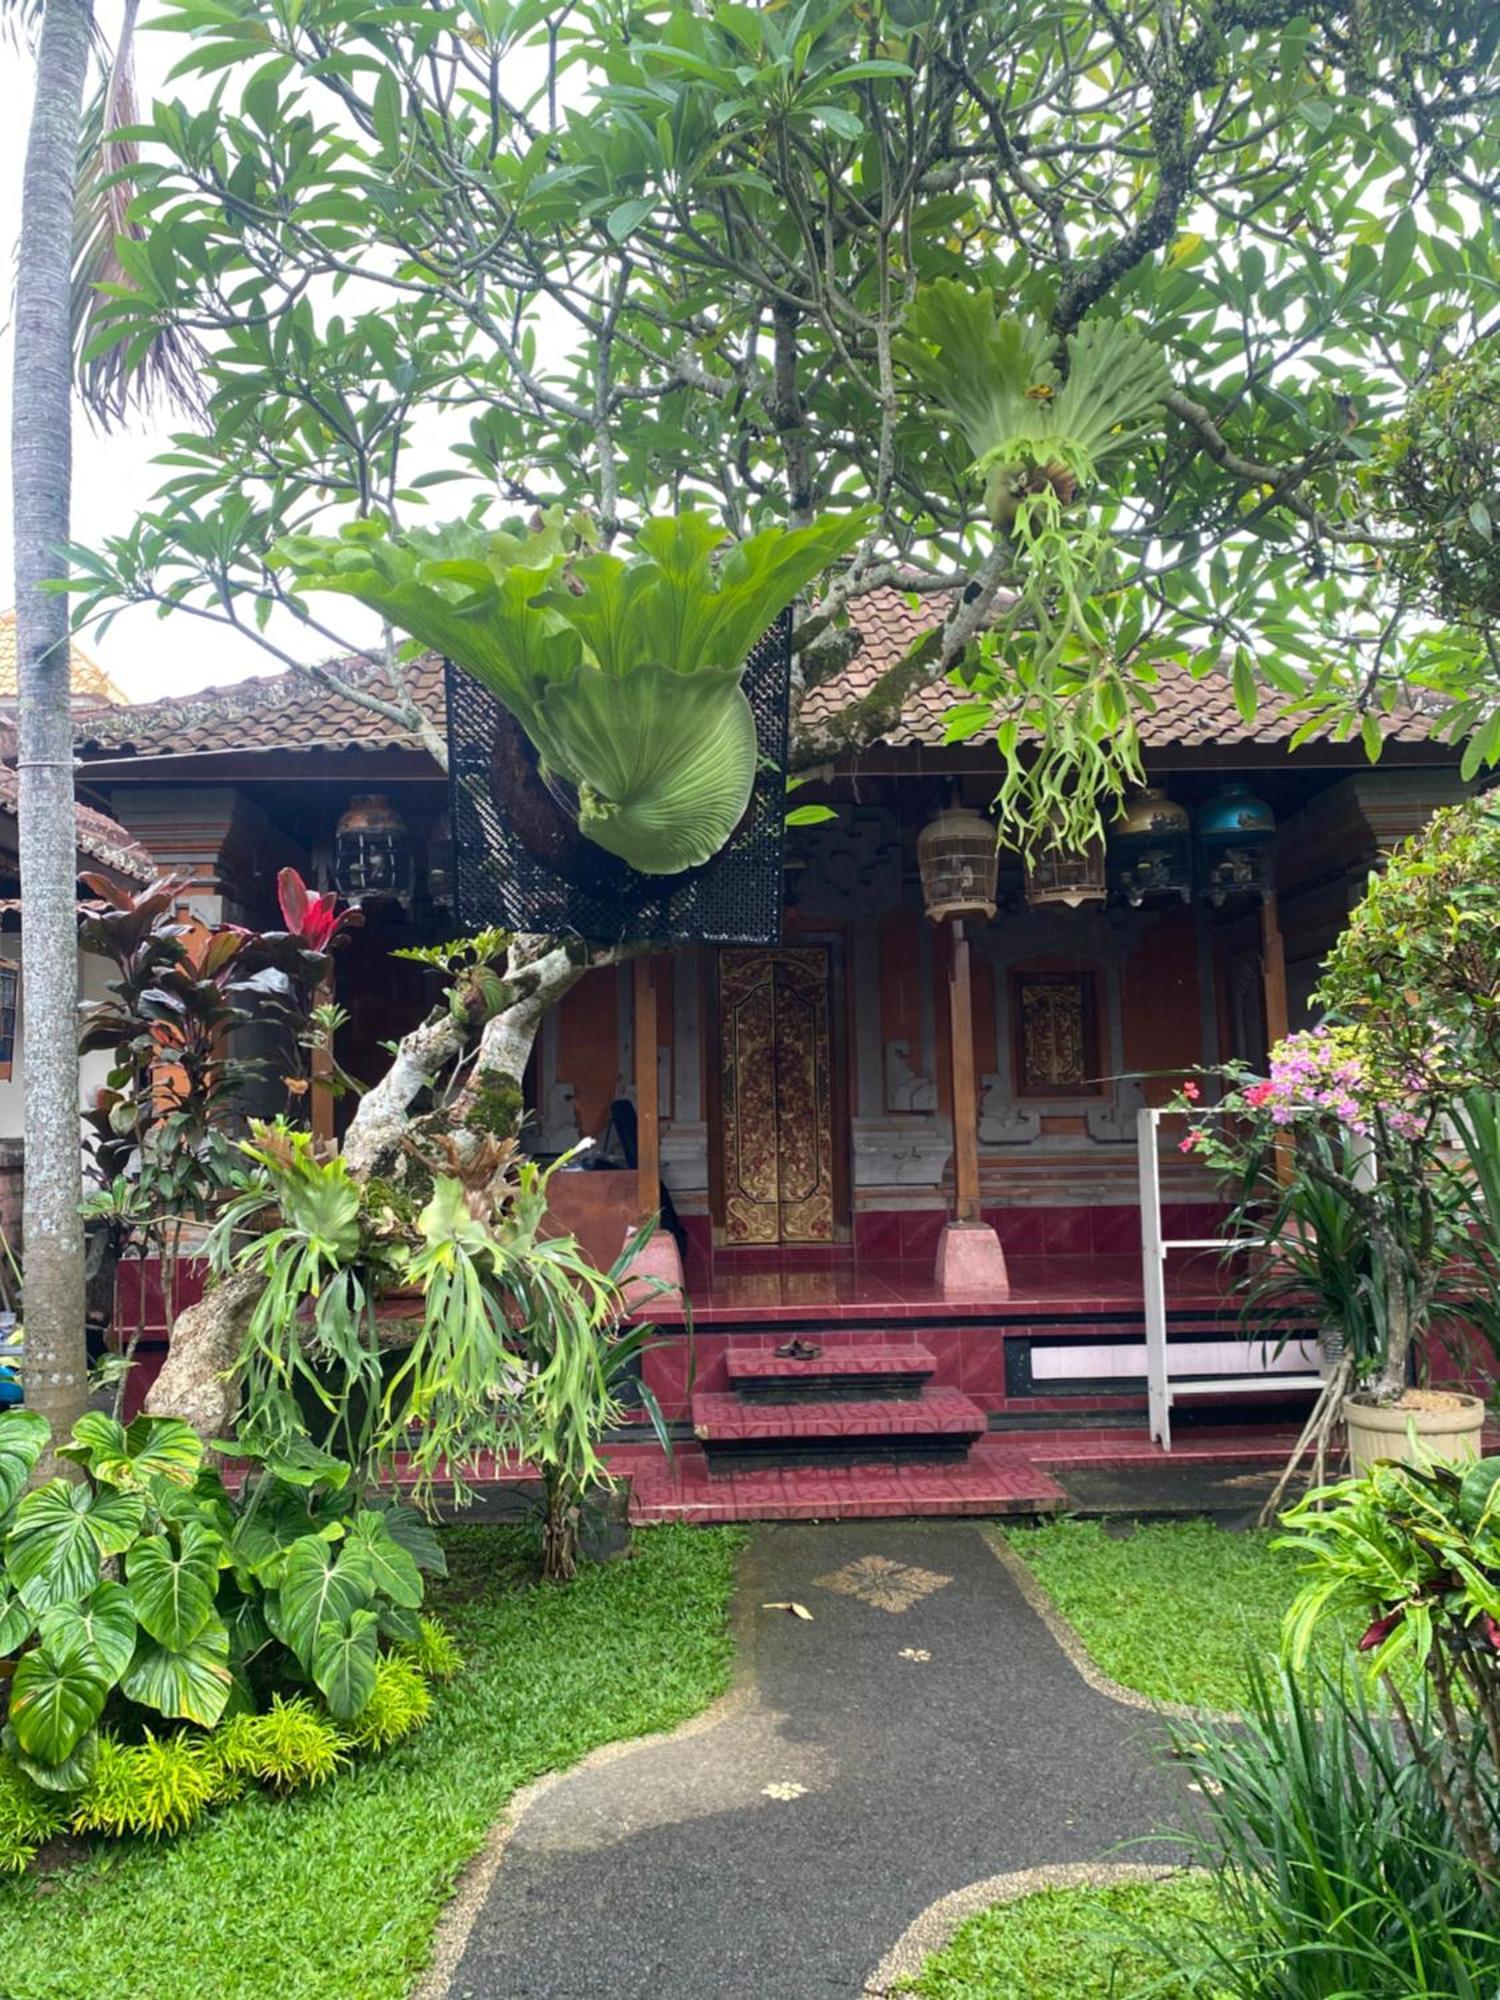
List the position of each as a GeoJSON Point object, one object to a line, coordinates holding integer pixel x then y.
{"type": "Point", "coordinates": [798, 1350]}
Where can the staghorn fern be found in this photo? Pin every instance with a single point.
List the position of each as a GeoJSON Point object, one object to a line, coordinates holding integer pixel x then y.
{"type": "Point", "coordinates": [1030, 430]}
{"type": "Point", "coordinates": [625, 674]}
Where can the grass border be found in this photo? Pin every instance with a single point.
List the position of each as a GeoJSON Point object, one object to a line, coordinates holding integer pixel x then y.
{"type": "Point", "coordinates": [1071, 1645]}
{"type": "Point", "coordinates": [934, 1929]}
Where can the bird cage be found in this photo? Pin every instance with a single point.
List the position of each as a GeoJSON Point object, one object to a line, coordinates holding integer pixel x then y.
{"type": "Point", "coordinates": [959, 861]}
{"type": "Point", "coordinates": [1151, 849]}
{"type": "Point", "coordinates": [1069, 877]}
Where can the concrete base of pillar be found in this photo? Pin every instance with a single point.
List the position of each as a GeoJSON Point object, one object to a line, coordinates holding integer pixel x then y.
{"type": "Point", "coordinates": [658, 1260]}
{"type": "Point", "coordinates": [971, 1263]}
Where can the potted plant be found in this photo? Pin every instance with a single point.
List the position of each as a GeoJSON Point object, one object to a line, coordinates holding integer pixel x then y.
{"type": "Point", "coordinates": [1345, 1183]}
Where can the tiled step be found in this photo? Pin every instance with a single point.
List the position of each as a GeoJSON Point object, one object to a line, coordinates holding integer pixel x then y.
{"type": "Point", "coordinates": [938, 1424]}
{"type": "Point", "coordinates": [844, 1369]}
{"type": "Point", "coordinates": [987, 1482]}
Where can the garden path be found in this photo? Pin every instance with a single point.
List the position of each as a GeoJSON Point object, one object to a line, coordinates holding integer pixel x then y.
{"type": "Point", "coordinates": [921, 1733]}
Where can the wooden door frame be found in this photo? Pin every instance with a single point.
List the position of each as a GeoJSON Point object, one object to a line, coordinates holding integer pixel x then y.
{"type": "Point", "coordinates": [834, 941]}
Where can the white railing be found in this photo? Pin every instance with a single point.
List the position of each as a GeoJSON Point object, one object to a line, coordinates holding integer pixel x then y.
{"type": "Point", "coordinates": [1285, 1370]}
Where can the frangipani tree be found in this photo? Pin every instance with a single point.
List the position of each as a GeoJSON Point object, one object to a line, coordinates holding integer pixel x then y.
{"type": "Point", "coordinates": [715, 259]}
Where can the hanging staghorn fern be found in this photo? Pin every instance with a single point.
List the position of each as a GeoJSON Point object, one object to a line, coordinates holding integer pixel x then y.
{"type": "Point", "coordinates": [625, 674]}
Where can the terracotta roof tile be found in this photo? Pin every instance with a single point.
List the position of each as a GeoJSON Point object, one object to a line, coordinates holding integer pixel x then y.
{"type": "Point", "coordinates": [295, 710]}
{"type": "Point", "coordinates": [100, 839]}
{"type": "Point", "coordinates": [86, 677]}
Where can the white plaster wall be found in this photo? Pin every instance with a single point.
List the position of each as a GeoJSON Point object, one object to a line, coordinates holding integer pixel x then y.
{"type": "Point", "coordinates": [93, 973]}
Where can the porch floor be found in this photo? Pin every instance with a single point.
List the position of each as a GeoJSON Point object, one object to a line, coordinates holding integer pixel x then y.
{"type": "Point", "coordinates": [1010, 1472]}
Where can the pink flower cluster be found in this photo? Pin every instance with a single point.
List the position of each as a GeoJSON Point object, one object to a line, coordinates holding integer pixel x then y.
{"type": "Point", "coordinates": [1325, 1070]}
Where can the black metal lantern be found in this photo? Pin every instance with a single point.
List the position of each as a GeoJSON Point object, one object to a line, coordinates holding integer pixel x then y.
{"type": "Point", "coordinates": [372, 860]}
{"type": "Point", "coordinates": [440, 863]}
{"type": "Point", "coordinates": [1236, 846]}
{"type": "Point", "coordinates": [1151, 849]}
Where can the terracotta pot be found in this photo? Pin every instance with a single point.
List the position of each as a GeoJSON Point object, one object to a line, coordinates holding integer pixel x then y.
{"type": "Point", "coordinates": [1449, 1425]}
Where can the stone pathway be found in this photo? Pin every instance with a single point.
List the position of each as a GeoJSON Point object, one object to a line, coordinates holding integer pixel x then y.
{"type": "Point", "coordinates": [923, 1732]}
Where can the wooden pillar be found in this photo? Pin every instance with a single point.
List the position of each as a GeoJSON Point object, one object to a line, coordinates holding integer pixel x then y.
{"type": "Point", "coordinates": [1274, 1000]}
{"type": "Point", "coordinates": [647, 1111]}
{"type": "Point", "coordinates": [966, 1205]}
{"type": "Point", "coordinates": [1273, 971]}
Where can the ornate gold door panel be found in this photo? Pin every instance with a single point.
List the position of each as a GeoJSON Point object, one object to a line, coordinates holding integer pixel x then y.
{"type": "Point", "coordinates": [776, 1101]}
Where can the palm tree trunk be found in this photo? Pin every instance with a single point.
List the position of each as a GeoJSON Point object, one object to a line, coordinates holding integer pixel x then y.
{"type": "Point", "coordinates": [41, 458]}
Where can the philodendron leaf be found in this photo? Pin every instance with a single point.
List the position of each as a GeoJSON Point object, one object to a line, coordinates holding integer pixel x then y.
{"type": "Point", "coordinates": [23, 1439]}
{"type": "Point", "coordinates": [316, 1588]}
{"type": "Point", "coordinates": [343, 1663]}
{"type": "Point", "coordinates": [171, 1590]}
{"type": "Point", "coordinates": [61, 1534]}
{"type": "Point", "coordinates": [71, 1775]}
{"type": "Point", "coordinates": [392, 1570]}
{"type": "Point", "coordinates": [98, 1634]}
{"type": "Point", "coordinates": [54, 1703]}
{"type": "Point", "coordinates": [415, 1534]}
{"type": "Point", "coordinates": [193, 1682]}
{"type": "Point", "coordinates": [16, 1624]}
{"type": "Point", "coordinates": [150, 1448]}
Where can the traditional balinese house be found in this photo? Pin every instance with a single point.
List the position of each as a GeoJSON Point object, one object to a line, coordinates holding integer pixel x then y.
{"type": "Point", "coordinates": [903, 1138]}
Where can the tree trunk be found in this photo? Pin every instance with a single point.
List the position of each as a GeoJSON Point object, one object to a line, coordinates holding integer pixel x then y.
{"type": "Point", "coordinates": [195, 1383]}
{"type": "Point", "coordinates": [41, 458]}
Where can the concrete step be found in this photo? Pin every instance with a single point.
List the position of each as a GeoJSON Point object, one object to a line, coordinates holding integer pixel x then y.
{"type": "Point", "coordinates": [938, 1425]}
{"type": "Point", "coordinates": [844, 1369]}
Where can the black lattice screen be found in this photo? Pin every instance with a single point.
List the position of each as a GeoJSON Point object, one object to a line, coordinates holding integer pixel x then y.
{"type": "Point", "coordinates": [521, 864]}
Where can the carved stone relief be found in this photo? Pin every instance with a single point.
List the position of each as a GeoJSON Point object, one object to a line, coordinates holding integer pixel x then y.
{"type": "Point", "coordinates": [906, 1089]}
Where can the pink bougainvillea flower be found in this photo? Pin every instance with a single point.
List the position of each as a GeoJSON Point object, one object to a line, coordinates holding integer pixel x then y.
{"type": "Point", "coordinates": [1191, 1091]}
{"type": "Point", "coordinates": [1492, 1630]}
{"type": "Point", "coordinates": [1258, 1093]}
{"type": "Point", "coordinates": [1189, 1144]}
{"type": "Point", "coordinates": [1382, 1629]}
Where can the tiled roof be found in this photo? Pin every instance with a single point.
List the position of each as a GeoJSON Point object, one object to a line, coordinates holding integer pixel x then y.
{"type": "Point", "coordinates": [85, 676]}
{"type": "Point", "coordinates": [101, 840]}
{"type": "Point", "coordinates": [297, 711]}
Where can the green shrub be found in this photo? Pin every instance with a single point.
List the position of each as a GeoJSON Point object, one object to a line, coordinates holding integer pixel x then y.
{"type": "Point", "coordinates": [1338, 1869]}
{"type": "Point", "coordinates": [28, 1817]}
{"type": "Point", "coordinates": [147, 1586]}
{"type": "Point", "coordinates": [401, 1703]}
{"type": "Point", "coordinates": [161, 1786]}
{"type": "Point", "coordinates": [291, 1745]}
{"type": "Point", "coordinates": [435, 1651]}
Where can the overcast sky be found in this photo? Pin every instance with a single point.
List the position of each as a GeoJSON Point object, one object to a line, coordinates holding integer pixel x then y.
{"type": "Point", "coordinates": [113, 477]}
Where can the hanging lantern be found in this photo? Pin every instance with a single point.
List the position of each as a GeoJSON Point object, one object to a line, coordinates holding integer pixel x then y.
{"type": "Point", "coordinates": [372, 852]}
{"type": "Point", "coordinates": [1066, 876]}
{"type": "Point", "coordinates": [959, 861]}
{"type": "Point", "coordinates": [1236, 845]}
{"type": "Point", "coordinates": [1151, 850]}
{"type": "Point", "coordinates": [440, 863]}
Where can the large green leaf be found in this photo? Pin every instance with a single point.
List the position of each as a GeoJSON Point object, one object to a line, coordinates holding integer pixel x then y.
{"type": "Point", "coordinates": [393, 1571]}
{"type": "Point", "coordinates": [172, 1589]}
{"type": "Point", "coordinates": [415, 1534]}
{"type": "Point", "coordinates": [16, 1623]}
{"type": "Point", "coordinates": [1479, 1496]}
{"type": "Point", "coordinates": [276, 1519]}
{"type": "Point", "coordinates": [150, 1448]}
{"type": "Point", "coordinates": [71, 1775]}
{"type": "Point", "coordinates": [624, 673]}
{"type": "Point", "coordinates": [343, 1663]}
{"type": "Point", "coordinates": [23, 1439]}
{"type": "Point", "coordinates": [61, 1534]}
{"type": "Point", "coordinates": [193, 1683]}
{"type": "Point", "coordinates": [54, 1703]}
{"type": "Point", "coordinates": [664, 763]}
{"type": "Point", "coordinates": [318, 1587]}
{"type": "Point", "coordinates": [99, 1633]}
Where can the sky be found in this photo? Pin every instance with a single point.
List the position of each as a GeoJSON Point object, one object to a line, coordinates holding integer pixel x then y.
{"type": "Point", "coordinates": [113, 475]}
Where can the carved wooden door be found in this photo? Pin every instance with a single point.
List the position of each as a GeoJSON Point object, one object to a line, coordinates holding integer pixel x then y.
{"type": "Point", "coordinates": [776, 1097]}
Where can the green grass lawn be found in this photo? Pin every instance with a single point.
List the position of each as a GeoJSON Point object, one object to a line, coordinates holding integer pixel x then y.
{"type": "Point", "coordinates": [1074, 1944]}
{"type": "Point", "coordinates": [333, 1895]}
{"type": "Point", "coordinates": [1174, 1609]}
